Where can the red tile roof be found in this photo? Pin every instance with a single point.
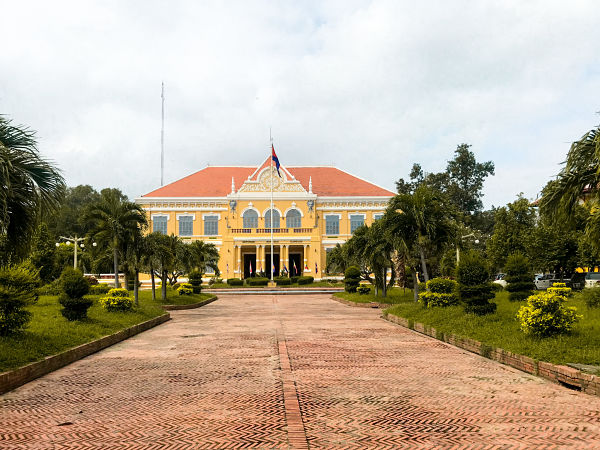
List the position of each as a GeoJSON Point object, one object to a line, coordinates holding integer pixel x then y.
{"type": "Point", "coordinates": [215, 181]}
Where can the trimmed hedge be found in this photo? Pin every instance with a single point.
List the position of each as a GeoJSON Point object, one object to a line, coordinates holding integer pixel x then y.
{"type": "Point", "coordinates": [519, 277]}
{"type": "Point", "coordinates": [74, 287]}
{"type": "Point", "coordinates": [363, 290]}
{"type": "Point", "coordinates": [100, 289]}
{"type": "Point", "coordinates": [351, 279]}
{"type": "Point", "coordinates": [546, 315]}
{"type": "Point", "coordinates": [282, 281]}
{"type": "Point", "coordinates": [474, 289]}
{"type": "Point", "coordinates": [441, 292]}
{"type": "Point", "coordinates": [195, 279]}
{"type": "Point", "coordinates": [305, 280]}
{"type": "Point", "coordinates": [117, 300]}
{"type": "Point", "coordinates": [257, 281]}
{"type": "Point", "coordinates": [235, 282]}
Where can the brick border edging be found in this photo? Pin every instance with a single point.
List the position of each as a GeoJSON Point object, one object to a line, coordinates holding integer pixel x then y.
{"type": "Point", "coordinates": [360, 305]}
{"type": "Point", "coordinates": [18, 377]}
{"type": "Point", "coordinates": [572, 378]}
{"type": "Point", "coordinates": [191, 305]}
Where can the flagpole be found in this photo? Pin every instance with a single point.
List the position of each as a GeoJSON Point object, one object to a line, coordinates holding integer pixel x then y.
{"type": "Point", "coordinates": [272, 265]}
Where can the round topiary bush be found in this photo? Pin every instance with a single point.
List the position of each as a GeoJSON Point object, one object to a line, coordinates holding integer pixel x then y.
{"type": "Point", "coordinates": [474, 289]}
{"type": "Point", "coordinates": [519, 277]}
{"type": "Point", "coordinates": [185, 289]}
{"type": "Point", "coordinates": [441, 292]}
{"type": "Point", "coordinates": [117, 300]}
{"type": "Point", "coordinates": [74, 287]}
{"type": "Point", "coordinates": [351, 279]}
{"type": "Point", "coordinates": [100, 289]}
{"type": "Point", "coordinates": [546, 315]}
{"type": "Point", "coordinates": [363, 290]}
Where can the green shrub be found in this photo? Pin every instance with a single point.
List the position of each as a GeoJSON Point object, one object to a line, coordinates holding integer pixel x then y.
{"type": "Point", "coordinates": [351, 279]}
{"type": "Point", "coordinates": [546, 315]}
{"type": "Point", "coordinates": [235, 282]}
{"type": "Point", "coordinates": [92, 280]}
{"type": "Point", "coordinates": [431, 299]}
{"type": "Point", "coordinates": [73, 283]}
{"type": "Point", "coordinates": [295, 279]}
{"type": "Point", "coordinates": [422, 287]}
{"type": "Point", "coordinates": [53, 288]}
{"type": "Point", "coordinates": [560, 289]}
{"type": "Point", "coordinates": [100, 289]}
{"type": "Point", "coordinates": [185, 289]}
{"type": "Point", "coordinates": [442, 285]}
{"type": "Point", "coordinates": [497, 287]}
{"type": "Point", "coordinates": [282, 281]}
{"type": "Point", "coordinates": [117, 300]}
{"type": "Point", "coordinates": [591, 297]}
{"type": "Point", "coordinates": [363, 290]}
{"type": "Point", "coordinates": [74, 287]}
{"type": "Point", "coordinates": [305, 280]}
{"type": "Point", "coordinates": [257, 281]}
{"type": "Point", "coordinates": [195, 279]}
{"type": "Point", "coordinates": [18, 288]}
{"type": "Point", "coordinates": [474, 290]}
{"type": "Point", "coordinates": [519, 277]}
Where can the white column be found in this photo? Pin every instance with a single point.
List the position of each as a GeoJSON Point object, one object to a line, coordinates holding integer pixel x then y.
{"type": "Point", "coordinates": [305, 259]}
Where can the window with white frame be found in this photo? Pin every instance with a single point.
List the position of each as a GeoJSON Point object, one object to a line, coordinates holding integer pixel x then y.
{"type": "Point", "coordinates": [293, 219]}
{"type": "Point", "coordinates": [211, 225]}
{"type": "Point", "coordinates": [377, 216]}
{"type": "Point", "coordinates": [186, 226]}
{"type": "Point", "coordinates": [332, 225]}
{"type": "Point", "coordinates": [276, 219]}
{"type": "Point", "coordinates": [356, 221]}
{"type": "Point", "coordinates": [159, 224]}
{"type": "Point", "coordinates": [250, 219]}
{"type": "Point", "coordinates": [209, 270]}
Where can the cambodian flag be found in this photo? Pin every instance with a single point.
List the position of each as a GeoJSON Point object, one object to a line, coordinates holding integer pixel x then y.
{"type": "Point", "coordinates": [316, 268]}
{"type": "Point", "coordinates": [276, 159]}
{"type": "Point", "coordinates": [250, 268]}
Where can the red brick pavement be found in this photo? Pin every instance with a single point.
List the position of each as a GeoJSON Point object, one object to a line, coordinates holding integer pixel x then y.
{"type": "Point", "coordinates": [281, 372]}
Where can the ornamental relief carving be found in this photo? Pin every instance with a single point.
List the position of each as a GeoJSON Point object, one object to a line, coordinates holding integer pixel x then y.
{"type": "Point", "coordinates": [264, 183]}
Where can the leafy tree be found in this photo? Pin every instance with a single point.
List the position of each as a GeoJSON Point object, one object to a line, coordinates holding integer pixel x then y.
{"type": "Point", "coordinates": [68, 219]}
{"type": "Point", "coordinates": [113, 221]}
{"type": "Point", "coordinates": [31, 188]}
{"type": "Point", "coordinates": [200, 256]}
{"type": "Point", "coordinates": [337, 260]}
{"type": "Point", "coordinates": [43, 254]}
{"type": "Point", "coordinates": [511, 231]}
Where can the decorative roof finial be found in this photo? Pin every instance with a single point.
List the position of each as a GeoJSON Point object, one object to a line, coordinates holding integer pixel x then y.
{"type": "Point", "coordinates": [232, 186]}
{"type": "Point", "coordinates": [310, 185]}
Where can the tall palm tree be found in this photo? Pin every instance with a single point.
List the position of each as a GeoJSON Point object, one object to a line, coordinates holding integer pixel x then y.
{"type": "Point", "coordinates": [114, 221]}
{"type": "Point", "coordinates": [31, 187]}
{"type": "Point", "coordinates": [202, 255]}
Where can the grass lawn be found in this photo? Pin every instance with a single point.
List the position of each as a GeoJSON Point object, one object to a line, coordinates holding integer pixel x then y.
{"type": "Point", "coordinates": [49, 332]}
{"type": "Point", "coordinates": [394, 296]}
{"type": "Point", "coordinates": [502, 330]}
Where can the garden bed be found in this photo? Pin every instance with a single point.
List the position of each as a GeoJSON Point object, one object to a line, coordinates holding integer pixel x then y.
{"type": "Point", "coordinates": [501, 330]}
{"type": "Point", "coordinates": [394, 296]}
{"type": "Point", "coordinates": [49, 333]}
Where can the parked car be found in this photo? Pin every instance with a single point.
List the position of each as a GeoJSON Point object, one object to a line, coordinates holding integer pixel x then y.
{"type": "Point", "coordinates": [581, 280]}
{"type": "Point", "coordinates": [499, 279]}
{"type": "Point", "coordinates": [545, 281]}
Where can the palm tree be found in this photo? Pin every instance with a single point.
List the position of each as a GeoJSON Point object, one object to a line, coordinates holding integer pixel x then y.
{"type": "Point", "coordinates": [422, 220]}
{"type": "Point", "coordinates": [31, 188]}
{"type": "Point", "coordinates": [114, 221]}
{"type": "Point", "coordinates": [201, 256]}
{"type": "Point", "coordinates": [150, 258]}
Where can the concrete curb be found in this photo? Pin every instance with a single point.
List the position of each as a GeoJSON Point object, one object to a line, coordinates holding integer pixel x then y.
{"type": "Point", "coordinates": [566, 376]}
{"type": "Point", "coordinates": [18, 377]}
{"type": "Point", "coordinates": [361, 305]}
{"type": "Point", "coordinates": [191, 305]}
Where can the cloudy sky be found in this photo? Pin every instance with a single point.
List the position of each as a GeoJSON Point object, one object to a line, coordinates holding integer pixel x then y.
{"type": "Point", "coordinates": [369, 86]}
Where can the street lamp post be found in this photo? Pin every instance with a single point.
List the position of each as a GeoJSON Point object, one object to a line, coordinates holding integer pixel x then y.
{"type": "Point", "coordinates": [457, 248]}
{"type": "Point", "coordinates": [76, 243]}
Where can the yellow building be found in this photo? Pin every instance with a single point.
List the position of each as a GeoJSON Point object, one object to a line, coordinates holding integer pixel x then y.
{"type": "Point", "coordinates": [315, 208]}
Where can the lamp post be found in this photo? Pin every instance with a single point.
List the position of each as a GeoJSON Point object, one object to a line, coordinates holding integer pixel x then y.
{"type": "Point", "coordinates": [457, 249]}
{"type": "Point", "coordinates": [76, 243]}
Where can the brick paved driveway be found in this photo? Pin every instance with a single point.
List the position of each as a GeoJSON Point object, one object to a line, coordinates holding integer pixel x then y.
{"type": "Point", "coordinates": [291, 371]}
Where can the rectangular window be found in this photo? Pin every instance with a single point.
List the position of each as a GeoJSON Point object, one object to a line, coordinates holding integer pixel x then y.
{"type": "Point", "coordinates": [377, 216]}
{"type": "Point", "coordinates": [355, 222]}
{"type": "Point", "coordinates": [209, 270]}
{"type": "Point", "coordinates": [186, 226]}
{"type": "Point", "coordinates": [211, 225]}
{"type": "Point", "coordinates": [332, 225]}
{"type": "Point", "coordinates": [159, 224]}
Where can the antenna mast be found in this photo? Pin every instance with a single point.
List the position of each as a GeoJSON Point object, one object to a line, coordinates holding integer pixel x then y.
{"type": "Point", "coordinates": [162, 134]}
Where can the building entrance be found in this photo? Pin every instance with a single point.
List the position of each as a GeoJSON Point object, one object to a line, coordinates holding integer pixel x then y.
{"type": "Point", "coordinates": [268, 267]}
{"type": "Point", "coordinates": [249, 265]}
{"type": "Point", "coordinates": [295, 266]}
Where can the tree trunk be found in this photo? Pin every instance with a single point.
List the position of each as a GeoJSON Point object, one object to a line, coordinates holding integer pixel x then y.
{"type": "Point", "coordinates": [384, 285]}
{"type": "Point", "coordinates": [416, 286]}
{"type": "Point", "coordinates": [163, 287]}
{"type": "Point", "coordinates": [116, 264]}
{"type": "Point", "coordinates": [423, 264]}
{"type": "Point", "coordinates": [135, 286]}
{"type": "Point", "coordinates": [153, 283]}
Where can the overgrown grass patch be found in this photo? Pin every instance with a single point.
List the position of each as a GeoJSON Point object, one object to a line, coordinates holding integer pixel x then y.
{"type": "Point", "coordinates": [49, 333]}
{"type": "Point", "coordinates": [501, 329]}
{"type": "Point", "coordinates": [394, 296]}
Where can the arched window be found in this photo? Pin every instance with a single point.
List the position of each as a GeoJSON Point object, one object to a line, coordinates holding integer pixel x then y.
{"type": "Point", "coordinates": [250, 219]}
{"type": "Point", "coordinates": [293, 219]}
{"type": "Point", "coordinates": [275, 219]}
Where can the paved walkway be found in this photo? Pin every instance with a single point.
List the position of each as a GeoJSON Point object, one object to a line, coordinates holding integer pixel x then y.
{"type": "Point", "coordinates": [291, 372]}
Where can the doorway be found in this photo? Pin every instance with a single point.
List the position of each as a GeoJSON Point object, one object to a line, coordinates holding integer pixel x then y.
{"type": "Point", "coordinates": [268, 265]}
{"type": "Point", "coordinates": [249, 265]}
{"type": "Point", "coordinates": [295, 266]}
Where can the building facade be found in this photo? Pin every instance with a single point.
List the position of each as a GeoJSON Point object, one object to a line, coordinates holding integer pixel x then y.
{"type": "Point", "coordinates": [314, 208]}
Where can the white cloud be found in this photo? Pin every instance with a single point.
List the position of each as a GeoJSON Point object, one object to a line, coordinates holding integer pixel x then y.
{"type": "Point", "coordinates": [369, 86]}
